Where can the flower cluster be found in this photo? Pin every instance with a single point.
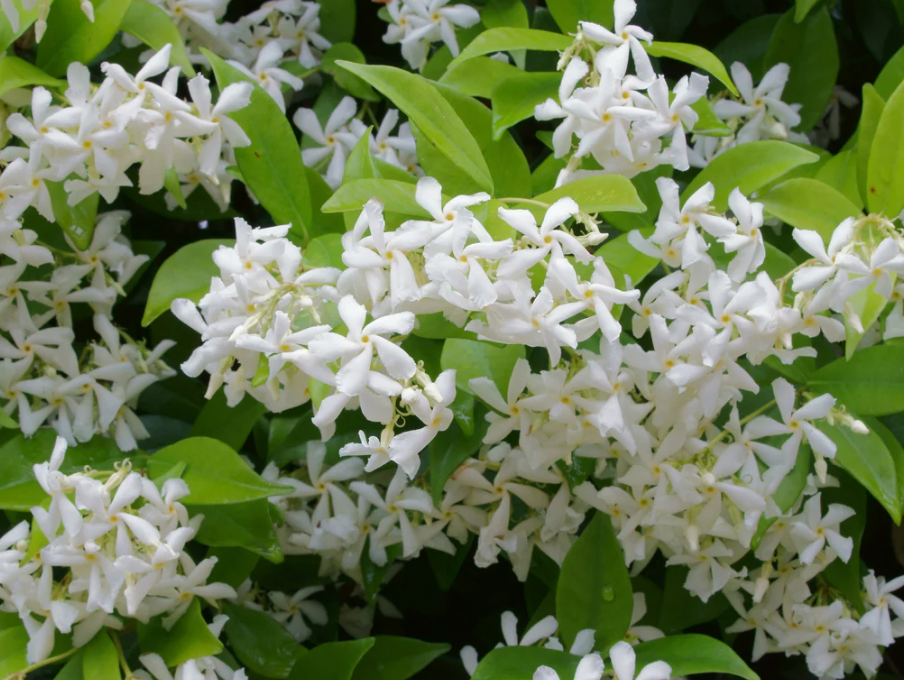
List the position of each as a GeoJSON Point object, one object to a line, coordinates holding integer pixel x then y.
{"type": "Point", "coordinates": [91, 143]}
{"type": "Point", "coordinates": [758, 113]}
{"type": "Point", "coordinates": [417, 24]}
{"type": "Point", "coordinates": [118, 544]}
{"type": "Point", "coordinates": [43, 380]}
{"type": "Point", "coordinates": [619, 120]}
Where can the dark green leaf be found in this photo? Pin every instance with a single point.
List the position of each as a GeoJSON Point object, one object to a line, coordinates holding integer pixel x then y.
{"type": "Point", "coordinates": [240, 525]}
{"type": "Point", "coordinates": [397, 658]}
{"type": "Point", "coordinates": [77, 221]}
{"type": "Point", "coordinates": [71, 37]}
{"type": "Point", "coordinates": [229, 424]}
{"type": "Point", "coordinates": [189, 638]}
{"type": "Point", "coordinates": [331, 660]}
{"type": "Point", "coordinates": [693, 655]}
{"type": "Point", "coordinates": [260, 643]}
{"type": "Point", "coordinates": [450, 449]}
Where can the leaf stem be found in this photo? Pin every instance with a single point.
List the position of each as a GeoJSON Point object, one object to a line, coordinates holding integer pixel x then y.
{"type": "Point", "coordinates": [18, 675]}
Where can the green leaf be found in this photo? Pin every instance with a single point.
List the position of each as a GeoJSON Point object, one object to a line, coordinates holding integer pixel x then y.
{"type": "Point", "coordinates": [846, 576]}
{"type": "Point", "coordinates": [26, 19]}
{"type": "Point", "coordinates": [787, 493]}
{"type": "Point", "coordinates": [680, 609]}
{"type": "Point", "coordinates": [695, 56]}
{"type": "Point", "coordinates": [77, 221]}
{"type": "Point", "coordinates": [748, 43]}
{"type": "Point", "coordinates": [450, 449]}
{"type": "Point", "coordinates": [326, 224]}
{"type": "Point", "coordinates": [515, 98]}
{"type": "Point", "coordinates": [840, 173]}
{"type": "Point", "coordinates": [72, 670]}
{"type": "Point", "coordinates": [802, 9]}
{"type": "Point", "coordinates": [602, 193]}
{"type": "Point", "coordinates": [478, 77]}
{"type": "Point", "coordinates": [891, 76]}
{"type": "Point", "coordinates": [873, 106]}
{"type": "Point", "coordinates": [868, 305]}
{"type": "Point", "coordinates": [473, 359]}
{"type": "Point", "coordinates": [431, 113]}
{"type": "Point", "coordinates": [810, 49]}
{"type": "Point", "coordinates": [568, 13]}
{"type": "Point", "coordinates": [594, 590]}
{"type": "Point", "coordinates": [867, 459]}
{"type": "Point", "coordinates": [189, 638]}
{"type": "Point", "coordinates": [397, 658]}
{"type": "Point", "coordinates": [446, 567]}
{"type": "Point", "coordinates": [693, 655]}
{"type": "Point", "coordinates": [71, 37]}
{"type": "Point", "coordinates": [185, 274]}
{"type": "Point", "coordinates": [260, 643]}
{"type": "Point", "coordinates": [750, 167]}
{"type": "Point", "coordinates": [502, 13]}
{"type": "Point", "coordinates": [214, 472]}
{"type": "Point", "coordinates": [240, 525]}
{"type": "Point", "coordinates": [13, 642]}
{"type": "Point", "coordinates": [271, 166]}
{"type": "Point", "coordinates": [895, 449]}
{"type": "Point", "coordinates": [99, 660]}
{"type": "Point", "coordinates": [808, 204]}
{"type": "Point", "coordinates": [337, 20]}
{"type": "Point", "coordinates": [708, 123]}
{"type": "Point", "coordinates": [15, 73]}
{"type": "Point", "coordinates": [233, 566]}
{"type": "Point", "coordinates": [347, 81]}
{"type": "Point", "coordinates": [630, 261]}
{"type": "Point", "coordinates": [508, 39]}
{"type": "Point", "coordinates": [520, 663]}
{"type": "Point", "coordinates": [885, 172]}
{"type": "Point", "coordinates": [360, 164]}
{"type": "Point", "coordinates": [324, 251]}
{"type": "Point", "coordinates": [331, 660]}
{"type": "Point", "coordinates": [152, 26]}
{"type": "Point", "coordinates": [395, 196]}
{"type": "Point", "coordinates": [870, 384]}
{"type": "Point", "coordinates": [229, 424]}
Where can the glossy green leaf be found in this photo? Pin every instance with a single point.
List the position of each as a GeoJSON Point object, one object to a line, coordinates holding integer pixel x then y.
{"type": "Point", "coordinates": [395, 196]}
{"type": "Point", "coordinates": [271, 166]}
{"type": "Point", "coordinates": [100, 661]}
{"type": "Point", "coordinates": [508, 39]}
{"type": "Point", "coordinates": [185, 274]}
{"type": "Point", "coordinates": [594, 590]}
{"type": "Point", "coordinates": [868, 460]}
{"type": "Point", "coordinates": [214, 472]}
{"type": "Point", "coordinates": [478, 77]}
{"type": "Point", "coordinates": [331, 660]}
{"type": "Point", "coordinates": [808, 204]}
{"type": "Point", "coordinates": [870, 384]}
{"type": "Point", "coordinates": [152, 26]}
{"type": "Point", "coordinates": [13, 642]}
{"type": "Point", "coordinates": [873, 106]}
{"type": "Point", "coordinates": [450, 449]}
{"type": "Point", "coordinates": [77, 221]}
{"type": "Point", "coordinates": [695, 56]}
{"type": "Point", "coordinates": [811, 50]}
{"type": "Point", "coordinates": [261, 644]}
{"type": "Point", "coordinates": [240, 525]}
{"type": "Point", "coordinates": [229, 424]}
{"type": "Point", "coordinates": [568, 13]}
{"type": "Point", "coordinates": [520, 663]}
{"type": "Point", "coordinates": [694, 655]}
{"type": "Point", "coordinates": [26, 17]}
{"type": "Point", "coordinates": [473, 359]}
{"type": "Point", "coordinates": [347, 81]}
{"type": "Point", "coordinates": [602, 193]}
{"type": "Point", "coordinates": [885, 171]}
{"type": "Point", "coordinates": [71, 37]}
{"type": "Point", "coordinates": [15, 73]}
{"type": "Point", "coordinates": [431, 113]}
{"type": "Point", "coordinates": [750, 167]}
{"type": "Point", "coordinates": [397, 658]}
{"type": "Point", "coordinates": [189, 638]}
{"type": "Point", "coordinates": [515, 98]}
{"type": "Point", "coordinates": [840, 173]}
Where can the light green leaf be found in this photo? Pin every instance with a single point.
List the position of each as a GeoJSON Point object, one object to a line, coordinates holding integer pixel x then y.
{"type": "Point", "coordinates": [214, 472]}
{"type": "Point", "coordinates": [348, 81]}
{"type": "Point", "coordinates": [450, 449]}
{"type": "Point", "coordinates": [885, 172]}
{"type": "Point", "coordinates": [478, 77]}
{"type": "Point", "coordinates": [15, 73]}
{"type": "Point", "coordinates": [870, 384]}
{"type": "Point", "coordinates": [808, 204]}
{"type": "Point", "coordinates": [594, 590]}
{"type": "Point", "coordinates": [601, 193]}
{"type": "Point", "coordinates": [891, 75]}
{"type": "Point", "coordinates": [324, 251]}
{"type": "Point", "coordinates": [325, 224]}
{"type": "Point", "coordinates": [189, 638]}
{"type": "Point", "coordinates": [473, 359]}
{"type": "Point", "coordinates": [431, 113]}
{"type": "Point", "coordinates": [502, 13]}
{"type": "Point", "coordinates": [395, 196]}
{"type": "Point", "coordinates": [100, 661]}
{"type": "Point", "coordinates": [515, 98]}
{"type": "Point", "coordinates": [185, 274]}
{"type": "Point", "coordinates": [397, 658]}
{"type": "Point", "coordinates": [568, 13]}
{"type": "Point", "coordinates": [271, 166]}
{"type": "Point", "coordinates": [708, 123]}
{"type": "Point", "coordinates": [810, 49]}
{"type": "Point", "coordinates": [229, 424]}
{"type": "Point", "coordinates": [360, 164]}
{"type": "Point", "coordinates": [240, 525]}
{"type": "Point", "coordinates": [152, 26]}
{"type": "Point", "coordinates": [840, 173]}
{"type": "Point", "coordinates": [26, 19]}
{"type": "Point", "coordinates": [260, 643]}
{"type": "Point", "coordinates": [695, 56]}
{"type": "Point", "coordinates": [77, 221]}
{"type": "Point", "coordinates": [868, 305]}
{"type": "Point", "coordinates": [750, 167]}
{"type": "Point", "coordinates": [868, 460]}
{"type": "Point", "coordinates": [331, 660]}
{"type": "Point", "coordinates": [693, 655]}
{"type": "Point", "coordinates": [520, 663]}
{"type": "Point", "coordinates": [873, 106]}
{"type": "Point", "coordinates": [71, 37]}
{"type": "Point", "coordinates": [630, 261]}
{"type": "Point", "coordinates": [13, 642]}
{"type": "Point", "coordinates": [508, 39]}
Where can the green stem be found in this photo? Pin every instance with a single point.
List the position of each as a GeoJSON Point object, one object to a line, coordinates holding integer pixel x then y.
{"type": "Point", "coordinates": [40, 664]}
{"type": "Point", "coordinates": [126, 671]}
